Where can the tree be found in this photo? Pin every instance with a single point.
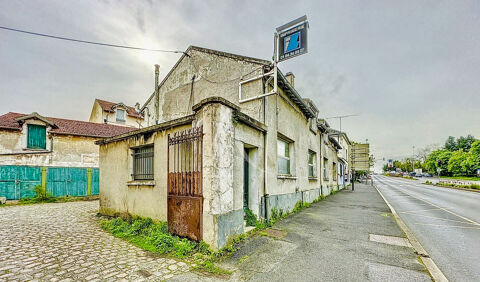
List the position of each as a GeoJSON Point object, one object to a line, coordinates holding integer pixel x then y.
{"type": "Point", "coordinates": [472, 159]}
{"type": "Point", "coordinates": [451, 144]}
{"type": "Point", "coordinates": [462, 143]}
{"type": "Point", "coordinates": [465, 143]}
{"type": "Point", "coordinates": [456, 164]}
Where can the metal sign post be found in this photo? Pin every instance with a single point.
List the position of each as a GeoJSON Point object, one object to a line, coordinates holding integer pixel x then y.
{"type": "Point", "coordinates": [290, 40]}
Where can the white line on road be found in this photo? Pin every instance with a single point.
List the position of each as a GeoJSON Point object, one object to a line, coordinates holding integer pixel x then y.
{"type": "Point", "coordinates": [442, 225]}
{"type": "Point", "coordinates": [445, 219]}
{"type": "Point", "coordinates": [451, 212]}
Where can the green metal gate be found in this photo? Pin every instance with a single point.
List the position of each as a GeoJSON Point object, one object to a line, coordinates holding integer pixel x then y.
{"type": "Point", "coordinates": [18, 182]}
{"type": "Point", "coordinates": [67, 181]}
{"type": "Point", "coordinates": [95, 181]}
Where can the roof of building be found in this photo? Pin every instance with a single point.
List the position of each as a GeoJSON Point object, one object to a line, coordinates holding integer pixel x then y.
{"type": "Point", "coordinates": [13, 121]}
{"type": "Point", "coordinates": [110, 107]}
{"type": "Point", "coordinates": [335, 132]}
{"type": "Point", "coordinates": [282, 81]}
{"type": "Point", "coordinates": [334, 142]}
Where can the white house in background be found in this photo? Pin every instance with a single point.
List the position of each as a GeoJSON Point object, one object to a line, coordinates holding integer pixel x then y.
{"type": "Point", "coordinates": [344, 169]}
{"type": "Point", "coordinates": [115, 113]}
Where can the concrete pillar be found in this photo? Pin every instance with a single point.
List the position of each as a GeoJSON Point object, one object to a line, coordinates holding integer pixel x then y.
{"type": "Point", "coordinates": [218, 155]}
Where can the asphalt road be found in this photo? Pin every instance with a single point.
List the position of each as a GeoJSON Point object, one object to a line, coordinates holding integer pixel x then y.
{"type": "Point", "coordinates": [445, 221]}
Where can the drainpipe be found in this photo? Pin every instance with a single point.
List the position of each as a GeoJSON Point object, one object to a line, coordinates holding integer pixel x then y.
{"type": "Point", "coordinates": [157, 98]}
{"type": "Point", "coordinates": [265, 153]}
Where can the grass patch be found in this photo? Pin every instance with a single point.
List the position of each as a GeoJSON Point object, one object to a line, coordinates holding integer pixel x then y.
{"type": "Point", "coordinates": [250, 217]}
{"type": "Point", "coordinates": [154, 237]}
{"type": "Point", "coordinates": [473, 178]}
{"type": "Point", "coordinates": [454, 185]}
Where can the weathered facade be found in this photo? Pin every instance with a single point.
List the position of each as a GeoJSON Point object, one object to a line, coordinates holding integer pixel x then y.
{"type": "Point", "coordinates": [33, 147]}
{"type": "Point", "coordinates": [262, 154]}
{"type": "Point", "coordinates": [115, 113]}
{"type": "Point", "coordinates": [344, 156]}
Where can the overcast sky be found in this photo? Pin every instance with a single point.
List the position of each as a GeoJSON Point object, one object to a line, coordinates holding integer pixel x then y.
{"type": "Point", "coordinates": [410, 69]}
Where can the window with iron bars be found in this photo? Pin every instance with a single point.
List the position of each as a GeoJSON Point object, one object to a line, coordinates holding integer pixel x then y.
{"type": "Point", "coordinates": [143, 163]}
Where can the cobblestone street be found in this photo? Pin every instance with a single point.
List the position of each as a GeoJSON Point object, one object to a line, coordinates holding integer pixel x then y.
{"type": "Point", "coordinates": [63, 242]}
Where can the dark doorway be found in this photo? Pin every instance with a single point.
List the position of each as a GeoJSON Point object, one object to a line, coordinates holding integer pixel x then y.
{"type": "Point", "coordinates": [246, 177]}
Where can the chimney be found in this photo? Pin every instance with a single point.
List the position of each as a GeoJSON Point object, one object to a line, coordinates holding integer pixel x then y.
{"type": "Point", "coordinates": [157, 98]}
{"type": "Point", "coordinates": [290, 78]}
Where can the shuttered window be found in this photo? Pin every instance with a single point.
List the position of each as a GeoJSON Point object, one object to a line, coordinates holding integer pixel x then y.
{"type": "Point", "coordinates": [36, 136]}
{"type": "Point", "coordinates": [143, 163]}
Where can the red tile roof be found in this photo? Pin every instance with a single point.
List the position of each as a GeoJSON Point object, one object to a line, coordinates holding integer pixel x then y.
{"type": "Point", "coordinates": [109, 107]}
{"type": "Point", "coordinates": [69, 127]}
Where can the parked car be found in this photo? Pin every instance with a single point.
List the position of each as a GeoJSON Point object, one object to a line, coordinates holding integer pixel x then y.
{"type": "Point", "coordinates": [412, 174]}
{"type": "Point", "coordinates": [418, 175]}
{"type": "Point", "coordinates": [427, 175]}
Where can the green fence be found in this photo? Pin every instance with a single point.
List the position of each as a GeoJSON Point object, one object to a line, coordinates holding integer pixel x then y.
{"type": "Point", "coordinates": [17, 182]}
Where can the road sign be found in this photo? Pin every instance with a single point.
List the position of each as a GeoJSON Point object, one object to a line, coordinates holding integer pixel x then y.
{"type": "Point", "coordinates": [292, 39]}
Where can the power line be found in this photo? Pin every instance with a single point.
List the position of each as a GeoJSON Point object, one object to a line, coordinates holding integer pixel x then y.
{"type": "Point", "coordinates": [89, 42]}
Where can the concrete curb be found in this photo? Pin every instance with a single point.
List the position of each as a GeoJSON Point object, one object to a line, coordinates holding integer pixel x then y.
{"type": "Point", "coordinates": [435, 272]}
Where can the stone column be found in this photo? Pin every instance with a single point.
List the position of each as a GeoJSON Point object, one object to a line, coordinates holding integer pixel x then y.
{"type": "Point", "coordinates": [218, 155]}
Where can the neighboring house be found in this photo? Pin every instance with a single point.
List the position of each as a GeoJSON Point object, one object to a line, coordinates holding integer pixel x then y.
{"type": "Point", "coordinates": [330, 158]}
{"type": "Point", "coordinates": [42, 150]}
{"type": "Point", "coordinates": [115, 113]}
{"type": "Point", "coordinates": [344, 168]}
{"type": "Point", "coordinates": [208, 155]}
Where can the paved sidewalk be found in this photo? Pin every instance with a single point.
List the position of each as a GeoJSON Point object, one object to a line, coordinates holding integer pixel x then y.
{"type": "Point", "coordinates": [63, 242]}
{"type": "Point", "coordinates": [330, 242]}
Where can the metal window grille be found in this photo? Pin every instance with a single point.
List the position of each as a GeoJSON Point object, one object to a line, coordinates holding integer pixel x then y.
{"type": "Point", "coordinates": [143, 163]}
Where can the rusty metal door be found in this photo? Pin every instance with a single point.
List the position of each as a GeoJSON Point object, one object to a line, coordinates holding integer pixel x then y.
{"type": "Point", "coordinates": [185, 198]}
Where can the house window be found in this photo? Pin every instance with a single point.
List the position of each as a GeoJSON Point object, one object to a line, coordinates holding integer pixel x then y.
{"type": "Point", "coordinates": [143, 163]}
{"type": "Point", "coordinates": [283, 156]}
{"type": "Point", "coordinates": [325, 168]}
{"type": "Point", "coordinates": [120, 115]}
{"type": "Point", "coordinates": [312, 163]}
{"type": "Point", "coordinates": [36, 136]}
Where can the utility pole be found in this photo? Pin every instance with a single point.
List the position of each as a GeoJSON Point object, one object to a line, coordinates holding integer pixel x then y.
{"type": "Point", "coordinates": [413, 156]}
{"type": "Point", "coordinates": [340, 121]}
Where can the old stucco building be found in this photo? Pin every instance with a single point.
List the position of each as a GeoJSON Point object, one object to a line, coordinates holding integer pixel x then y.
{"type": "Point", "coordinates": [115, 113]}
{"type": "Point", "coordinates": [262, 154]}
{"type": "Point", "coordinates": [57, 153]}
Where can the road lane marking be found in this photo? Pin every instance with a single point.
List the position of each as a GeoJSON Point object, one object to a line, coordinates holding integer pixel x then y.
{"type": "Point", "coordinates": [455, 214]}
{"type": "Point", "coordinates": [435, 272]}
{"type": "Point", "coordinates": [436, 209]}
{"type": "Point", "coordinates": [442, 225]}
{"type": "Point", "coordinates": [451, 212]}
{"type": "Point", "coordinates": [440, 218]}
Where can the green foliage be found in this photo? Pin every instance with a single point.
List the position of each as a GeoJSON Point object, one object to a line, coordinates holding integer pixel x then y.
{"type": "Point", "coordinates": [462, 143]}
{"type": "Point", "coordinates": [249, 217]}
{"type": "Point", "coordinates": [300, 205]}
{"type": "Point", "coordinates": [40, 192]}
{"type": "Point", "coordinates": [153, 236]}
{"type": "Point", "coordinates": [456, 163]}
{"type": "Point", "coordinates": [454, 185]}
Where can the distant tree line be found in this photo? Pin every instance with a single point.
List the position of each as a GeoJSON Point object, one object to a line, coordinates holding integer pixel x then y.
{"type": "Point", "coordinates": [458, 157]}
